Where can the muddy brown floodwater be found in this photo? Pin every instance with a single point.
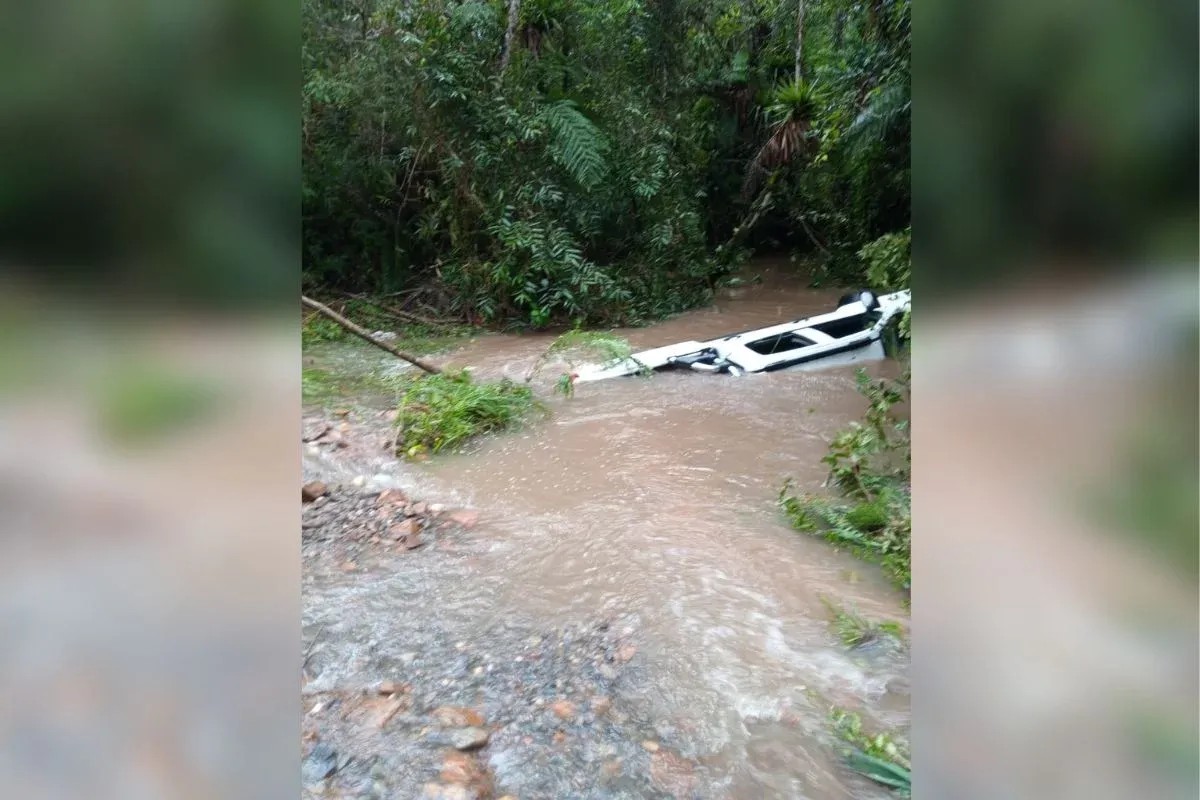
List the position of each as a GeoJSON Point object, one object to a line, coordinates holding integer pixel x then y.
{"type": "Point", "coordinates": [630, 561]}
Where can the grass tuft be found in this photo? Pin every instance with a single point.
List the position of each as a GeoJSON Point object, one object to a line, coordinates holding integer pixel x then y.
{"type": "Point", "coordinates": [855, 630]}
{"type": "Point", "coordinates": [442, 412]}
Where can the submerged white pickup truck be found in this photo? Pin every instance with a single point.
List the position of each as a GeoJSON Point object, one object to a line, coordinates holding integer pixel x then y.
{"type": "Point", "coordinates": [856, 325]}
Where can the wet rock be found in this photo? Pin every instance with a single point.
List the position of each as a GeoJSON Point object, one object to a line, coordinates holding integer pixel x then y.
{"type": "Point", "coordinates": [564, 710]}
{"type": "Point", "coordinates": [455, 717]}
{"type": "Point", "coordinates": [464, 518]}
{"type": "Point", "coordinates": [437, 791]}
{"type": "Point", "coordinates": [469, 738]}
{"type": "Point", "coordinates": [465, 769]}
{"type": "Point", "coordinates": [311, 491]}
{"type": "Point", "coordinates": [388, 687]}
{"type": "Point", "coordinates": [405, 528]}
{"type": "Point", "coordinates": [316, 432]}
{"type": "Point", "coordinates": [673, 774]}
{"type": "Point", "coordinates": [321, 762]}
{"type": "Point", "coordinates": [391, 497]}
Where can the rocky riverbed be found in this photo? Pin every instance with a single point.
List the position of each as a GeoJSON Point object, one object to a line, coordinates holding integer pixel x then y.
{"type": "Point", "coordinates": [421, 709]}
{"type": "Point", "coordinates": [434, 667]}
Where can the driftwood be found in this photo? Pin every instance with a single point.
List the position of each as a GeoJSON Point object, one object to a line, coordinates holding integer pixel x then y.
{"type": "Point", "coordinates": [361, 333]}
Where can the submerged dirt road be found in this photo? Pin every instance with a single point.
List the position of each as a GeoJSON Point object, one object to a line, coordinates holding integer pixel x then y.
{"type": "Point", "coordinates": [625, 615]}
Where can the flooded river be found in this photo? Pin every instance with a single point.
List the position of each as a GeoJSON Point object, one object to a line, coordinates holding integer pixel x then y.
{"type": "Point", "coordinates": [634, 530]}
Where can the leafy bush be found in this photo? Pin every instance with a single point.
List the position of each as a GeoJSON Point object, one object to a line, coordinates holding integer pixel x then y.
{"type": "Point", "coordinates": [870, 463]}
{"type": "Point", "coordinates": [889, 261]}
{"type": "Point", "coordinates": [442, 412]}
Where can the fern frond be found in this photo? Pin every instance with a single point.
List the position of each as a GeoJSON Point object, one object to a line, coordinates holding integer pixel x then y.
{"type": "Point", "coordinates": [578, 145]}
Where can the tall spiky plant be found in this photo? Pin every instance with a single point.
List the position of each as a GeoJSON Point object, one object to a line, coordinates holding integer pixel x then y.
{"type": "Point", "coordinates": [789, 114]}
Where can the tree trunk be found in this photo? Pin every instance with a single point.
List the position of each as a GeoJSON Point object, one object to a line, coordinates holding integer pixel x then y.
{"type": "Point", "coordinates": [799, 37]}
{"type": "Point", "coordinates": [326, 311]}
{"type": "Point", "coordinates": [510, 34]}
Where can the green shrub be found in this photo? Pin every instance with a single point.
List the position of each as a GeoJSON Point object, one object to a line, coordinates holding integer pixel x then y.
{"type": "Point", "coordinates": [870, 463]}
{"type": "Point", "coordinates": [889, 261]}
{"type": "Point", "coordinates": [442, 412]}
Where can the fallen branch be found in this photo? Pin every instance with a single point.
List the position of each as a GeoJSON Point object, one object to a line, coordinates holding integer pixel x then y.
{"type": "Point", "coordinates": [408, 316]}
{"type": "Point", "coordinates": [362, 334]}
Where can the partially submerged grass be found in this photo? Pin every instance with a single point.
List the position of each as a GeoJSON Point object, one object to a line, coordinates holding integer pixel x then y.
{"type": "Point", "coordinates": [442, 412]}
{"type": "Point", "coordinates": [322, 387]}
{"type": "Point", "coordinates": [854, 630]}
{"type": "Point", "coordinates": [880, 756]}
{"type": "Point", "coordinates": [139, 403]}
{"type": "Point", "coordinates": [599, 345]}
{"type": "Point", "coordinates": [879, 529]}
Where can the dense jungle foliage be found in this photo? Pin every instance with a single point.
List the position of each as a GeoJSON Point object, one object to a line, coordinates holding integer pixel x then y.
{"type": "Point", "coordinates": [601, 161]}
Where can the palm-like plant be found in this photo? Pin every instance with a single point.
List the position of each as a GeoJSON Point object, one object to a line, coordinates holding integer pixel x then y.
{"type": "Point", "coordinates": [789, 113]}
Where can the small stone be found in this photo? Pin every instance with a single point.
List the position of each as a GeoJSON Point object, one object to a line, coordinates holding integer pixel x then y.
{"type": "Point", "coordinates": [559, 737]}
{"type": "Point", "coordinates": [469, 738]}
{"type": "Point", "coordinates": [413, 541]}
{"type": "Point", "coordinates": [464, 518]}
{"type": "Point", "coordinates": [608, 672]}
{"type": "Point", "coordinates": [437, 791]}
{"type": "Point", "coordinates": [388, 687]}
{"type": "Point", "coordinates": [311, 491]}
{"type": "Point", "coordinates": [419, 509]}
{"type": "Point", "coordinates": [391, 497]}
{"type": "Point", "coordinates": [650, 746]}
{"type": "Point", "coordinates": [436, 508]}
{"type": "Point", "coordinates": [626, 652]}
{"type": "Point", "coordinates": [349, 566]}
{"type": "Point", "coordinates": [321, 762]}
{"type": "Point", "coordinates": [461, 768]}
{"type": "Point", "coordinates": [601, 705]}
{"type": "Point", "coordinates": [405, 528]}
{"type": "Point", "coordinates": [359, 480]}
{"type": "Point", "coordinates": [453, 717]}
{"type": "Point", "coordinates": [564, 710]}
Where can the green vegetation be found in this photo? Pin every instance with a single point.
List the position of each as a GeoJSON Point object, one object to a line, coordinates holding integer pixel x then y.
{"type": "Point", "coordinates": [596, 345]}
{"type": "Point", "coordinates": [870, 464]}
{"type": "Point", "coordinates": [417, 338]}
{"type": "Point", "coordinates": [855, 630]}
{"type": "Point", "coordinates": [442, 412]}
{"type": "Point", "coordinates": [880, 757]}
{"type": "Point", "coordinates": [139, 403]}
{"type": "Point", "coordinates": [607, 162]}
{"type": "Point", "coordinates": [322, 387]}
